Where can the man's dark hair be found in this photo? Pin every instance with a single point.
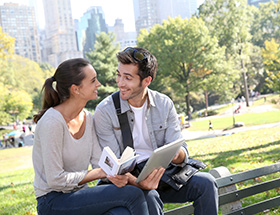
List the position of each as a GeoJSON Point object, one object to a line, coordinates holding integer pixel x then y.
{"type": "Point", "coordinates": [146, 67]}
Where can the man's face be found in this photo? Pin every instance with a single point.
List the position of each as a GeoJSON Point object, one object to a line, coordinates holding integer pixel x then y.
{"type": "Point", "coordinates": [129, 83]}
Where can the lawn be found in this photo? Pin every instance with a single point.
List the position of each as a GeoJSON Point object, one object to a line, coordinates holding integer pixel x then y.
{"type": "Point", "coordinates": [239, 152]}
{"type": "Point", "coordinates": [249, 119]}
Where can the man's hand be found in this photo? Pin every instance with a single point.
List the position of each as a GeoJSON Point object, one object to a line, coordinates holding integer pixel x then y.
{"type": "Point", "coordinates": [149, 183]}
{"type": "Point", "coordinates": [179, 157]}
{"type": "Point", "coordinates": [118, 180]}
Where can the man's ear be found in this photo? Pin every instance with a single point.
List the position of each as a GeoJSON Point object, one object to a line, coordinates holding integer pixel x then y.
{"type": "Point", "coordinates": [146, 81]}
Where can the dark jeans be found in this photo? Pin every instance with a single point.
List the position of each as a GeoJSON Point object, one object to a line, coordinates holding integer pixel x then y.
{"type": "Point", "coordinates": [201, 189]}
{"type": "Point", "coordinates": [101, 200]}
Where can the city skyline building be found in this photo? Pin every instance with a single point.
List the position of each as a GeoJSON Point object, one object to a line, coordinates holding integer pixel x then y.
{"type": "Point", "coordinates": [60, 43]}
{"type": "Point", "coordinates": [257, 2]}
{"type": "Point", "coordinates": [89, 26]}
{"type": "Point", "coordinates": [19, 21]}
{"type": "Point", "coordinates": [147, 13]}
{"type": "Point", "coordinates": [125, 39]}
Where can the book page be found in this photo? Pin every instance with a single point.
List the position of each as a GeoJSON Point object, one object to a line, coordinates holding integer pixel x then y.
{"type": "Point", "coordinates": [127, 166]}
{"type": "Point", "coordinates": [108, 161]}
{"type": "Point", "coordinates": [127, 154]}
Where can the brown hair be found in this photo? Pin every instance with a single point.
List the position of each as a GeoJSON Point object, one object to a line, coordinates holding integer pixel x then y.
{"type": "Point", "coordinates": [146, 67]}
{"type": "Point", "coordinates": [67, 73]}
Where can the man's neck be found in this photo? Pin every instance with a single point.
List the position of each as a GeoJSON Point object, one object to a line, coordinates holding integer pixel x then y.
{"type": "Point", "coordinates": [139, 100]}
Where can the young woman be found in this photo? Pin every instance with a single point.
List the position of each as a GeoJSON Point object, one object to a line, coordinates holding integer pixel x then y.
{"type": "Point", "coordinates": [64, 146]}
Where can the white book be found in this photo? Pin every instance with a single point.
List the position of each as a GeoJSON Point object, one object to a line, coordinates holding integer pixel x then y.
{"type": "Point", "coordinates": [114, 166]}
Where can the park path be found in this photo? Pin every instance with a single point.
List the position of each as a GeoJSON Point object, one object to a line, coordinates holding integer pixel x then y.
{"type": "Point", "coordinates": [191, 135]}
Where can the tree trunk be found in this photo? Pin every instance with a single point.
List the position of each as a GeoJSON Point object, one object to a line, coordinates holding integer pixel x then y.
{"type": "Point", "coordinates": [245, 83]}
{"type": "Point", "coordinates": [187, 98]}
{"type": "Point", "coordinates": [206, 102]}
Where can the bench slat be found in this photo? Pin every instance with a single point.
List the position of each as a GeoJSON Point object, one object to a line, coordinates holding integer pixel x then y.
{"type": "Point", "coordinates": [248, 191]}
{"type": "Point", "coordinates": [184, 210]}
{"type": "Point", "coordinates": [258, 207]}
{"type": "Point", "coordinates": [243, 176]}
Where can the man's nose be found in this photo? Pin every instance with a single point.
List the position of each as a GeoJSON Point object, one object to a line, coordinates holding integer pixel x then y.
{"type": "Point", "coordinates": [120, 82]}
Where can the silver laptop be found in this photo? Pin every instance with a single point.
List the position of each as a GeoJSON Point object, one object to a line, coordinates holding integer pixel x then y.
{"type": "Point", "coordinates": [161, 157]}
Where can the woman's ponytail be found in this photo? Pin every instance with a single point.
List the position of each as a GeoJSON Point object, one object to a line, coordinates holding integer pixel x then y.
{"type": "Point", "coordinates": [50, 98]}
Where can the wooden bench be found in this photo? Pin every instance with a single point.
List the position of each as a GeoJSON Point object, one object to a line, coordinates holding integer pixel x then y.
{"type": "Point", "coordinates": [230, 196]}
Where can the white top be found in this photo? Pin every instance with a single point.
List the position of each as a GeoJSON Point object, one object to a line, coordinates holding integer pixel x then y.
{"type": "Point", "coordinates": [61, 161]}
{"type": "Point", "coordinates": [141, 141]}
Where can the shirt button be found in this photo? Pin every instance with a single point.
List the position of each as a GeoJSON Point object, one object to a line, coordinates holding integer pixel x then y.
{"type": "Point", "coordinates": [131, 120]}
{"type": "Point", "coordinates": [160, 126]}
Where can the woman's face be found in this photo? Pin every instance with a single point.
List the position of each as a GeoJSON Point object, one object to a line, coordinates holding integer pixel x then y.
{"type": "Point", "coordinates": [88, 88]}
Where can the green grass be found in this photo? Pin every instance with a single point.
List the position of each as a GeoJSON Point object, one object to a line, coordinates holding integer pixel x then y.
{"type": "Point", "coordinates": [16, 178]}
{"type": "Point", "coordinates": [238, 152]}
{"type": "Point", "coordinates": [249, 119]}
{"type": "Point", "coordinates": [269, 100]}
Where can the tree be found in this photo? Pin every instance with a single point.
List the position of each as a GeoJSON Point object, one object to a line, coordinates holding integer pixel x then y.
{"type": "Point", "coordinates": [103, 58]}
{"type": "Point", "coordinates": [18, 103]}
{"type": "Point", "coordinates": [229, 21]}
{"type": "Point", "coordinates": [271, 60]}
{"type": "Point", "coordinates": [6, 50]}
{"type": "Point", "coordinates": [186, 54]}
{"type": "Point", "coordinates": [6, 45]}
{"type": "Point", "coordinates": [5, 117]}
{"type": "Point", "coordinates": [266, 22]}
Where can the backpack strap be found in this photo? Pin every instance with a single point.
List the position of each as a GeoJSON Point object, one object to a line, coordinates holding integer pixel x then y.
{"type": "Point", "coordinates": [123, 120]}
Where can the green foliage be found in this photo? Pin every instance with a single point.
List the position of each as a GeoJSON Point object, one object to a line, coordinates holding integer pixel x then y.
{"type": "Point", "coordinates": [271, 60]}
{"type": "Point", "coordinates": [230, 21]}
{"type": "Point", "coordinates": [103, 58]}
{"type": "Point", "coordinates": [27, 74]}
{"type": "Point", "coordinates": [266, 22]}
{"type": "Point", "coordinates": [187, 56]}
{"type": "Point", "coordinates": [21, 81]}
{"type": "Point", "coordinates": [19, 104]}
{"type": "Point", "coordinates": [6, 45]}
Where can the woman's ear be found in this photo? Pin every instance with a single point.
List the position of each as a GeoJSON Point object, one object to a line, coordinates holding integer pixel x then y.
{"type": "Point", "coordinates": [74, 89]}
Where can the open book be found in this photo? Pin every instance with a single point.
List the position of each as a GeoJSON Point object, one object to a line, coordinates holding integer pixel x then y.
{"type": "Point", "coordinates": [114, 166]}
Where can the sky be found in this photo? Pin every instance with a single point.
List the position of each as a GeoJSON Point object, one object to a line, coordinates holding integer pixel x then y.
{"type": "Point", "coordinates": [113, 9]}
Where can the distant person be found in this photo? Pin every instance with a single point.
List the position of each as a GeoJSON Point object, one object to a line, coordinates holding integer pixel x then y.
{"type": "Point", "coordinates": [23, 128]}
{"type": "Point", "coordinates": [189, 116]}
{"type": "Point", "coordinates": [65, 144]}
{"type": "Point", "coordinates": [237, 110]}
{"type": "Point", "coordinates": [30, 128]}
{"type": "Point", "coordinates": [210, 126]}
{"type": "Point", "coordinates": [5, 139]}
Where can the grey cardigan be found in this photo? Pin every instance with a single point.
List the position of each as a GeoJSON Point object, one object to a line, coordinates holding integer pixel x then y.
{"type": "Point", "coordinates": [61, 161]}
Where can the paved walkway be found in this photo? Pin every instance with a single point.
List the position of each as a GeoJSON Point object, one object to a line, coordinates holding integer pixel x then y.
{"type": "Point", "coordinates": [192, 135]}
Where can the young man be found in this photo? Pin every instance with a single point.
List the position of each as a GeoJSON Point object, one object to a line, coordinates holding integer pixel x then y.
{"type": "Point", "coordinates": [153, 121]}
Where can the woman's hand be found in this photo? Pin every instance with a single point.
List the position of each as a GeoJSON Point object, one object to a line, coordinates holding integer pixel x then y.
{"type": "Point", "coordinates": [118, 180]}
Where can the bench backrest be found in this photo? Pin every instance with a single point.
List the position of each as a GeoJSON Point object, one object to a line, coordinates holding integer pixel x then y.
{"type": "Point", "coordinates": [230, 196]}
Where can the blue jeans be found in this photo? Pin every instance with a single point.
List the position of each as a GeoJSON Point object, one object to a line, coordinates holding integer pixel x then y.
{"type": "Point", "coordinates": [200, 189]}
{"type": "Point", "coordinates": [101, 200]}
